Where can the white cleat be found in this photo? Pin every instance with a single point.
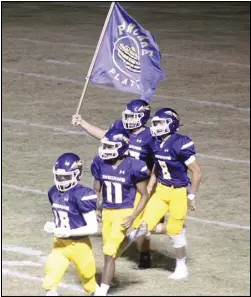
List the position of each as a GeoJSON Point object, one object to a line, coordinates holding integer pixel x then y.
{"type": "Point", "coordinates": [179, 273]}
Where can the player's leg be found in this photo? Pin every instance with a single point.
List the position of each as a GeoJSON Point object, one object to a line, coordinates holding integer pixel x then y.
{"type": "Point", "coordinates": [142, 245]}
{"type": "Point", "coordinates": [55, 268]}
{"type": "Point", "coordinates": [82, 256]}
{"type": "Point", "coordinates": [133, 236]}
{"type": "Point", "coordinates": [176, 230]}
{"type": "Point", "coordinates": [161, 226]}
{"type": "Point", "coordinates": [154, 211]}
{"type": "Point", "coordinates": [114, 234]}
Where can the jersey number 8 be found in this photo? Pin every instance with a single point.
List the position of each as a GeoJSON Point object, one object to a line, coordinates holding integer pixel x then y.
{"type": "Point", "coordinates": [61, 219]}
{"type": "Point", "coordinates": [165, 172]}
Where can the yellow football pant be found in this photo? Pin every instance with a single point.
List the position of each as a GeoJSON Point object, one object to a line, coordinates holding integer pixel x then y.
{"type": "Point", "coordinates": [65, 251]}
{"type": "Point", "coordinates": [112, 231]}
{"type": "Point", "coordinates": [167, 199]}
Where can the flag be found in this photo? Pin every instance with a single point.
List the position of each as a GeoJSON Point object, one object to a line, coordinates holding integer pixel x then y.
{"type": "Point", "coordinates": [129, 58]}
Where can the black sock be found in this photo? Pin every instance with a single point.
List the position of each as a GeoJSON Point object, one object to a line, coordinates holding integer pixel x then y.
{"type": "Point", "coordinates": [145, 255]}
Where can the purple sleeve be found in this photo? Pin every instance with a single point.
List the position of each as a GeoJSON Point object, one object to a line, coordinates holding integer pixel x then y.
{"type": "Point", "coordinates": [86, 200]}
{"type": "Point", "coordinates": [141, 171]}
{"type": "Point", "coordinates": [187, 150]}
{"type": "Point", "coordinates": [95, 168]}
{"type": "Point", "coordinates": [50, 192]}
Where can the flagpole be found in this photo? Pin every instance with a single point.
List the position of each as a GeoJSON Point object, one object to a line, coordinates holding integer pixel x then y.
{"type": "Point", "coordinates": [95, 56]}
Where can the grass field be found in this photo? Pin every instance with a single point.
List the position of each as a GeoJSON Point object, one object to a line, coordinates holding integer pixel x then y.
{"type": "Point", "coordinates": [46, 52]}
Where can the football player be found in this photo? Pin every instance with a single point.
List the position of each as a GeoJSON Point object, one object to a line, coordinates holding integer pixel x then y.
{"type": "Point", "coordinates": [173, 155]}
{"type": "Point", "coordinates": [134, 119]}
{"type": "Point", "coordinates": [118, 176]}
{"type": "Point", "coordinates": [74, 209]}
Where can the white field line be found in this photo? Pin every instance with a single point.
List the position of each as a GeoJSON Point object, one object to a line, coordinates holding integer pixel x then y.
{"type": "Point", "coordinates": [41, 126]}
{"type": "Point", "coordinates": [64, 131]}
{"type": "Point", "coordinates": [60, 62]}
{"type": "Point", "coordinates": [21, 263]}
{"type": "Point", "coordinates": [77, 82]}
{"type": "Point", "coordinates": [222, 224]}
{"type": "Point", "coordinates": [164, 55]}
{"type": "Point", "coordinates": [224, 159]}
{"type": "Point", "coordinates": [27, 276]}
{"type": "Point", "coordinates": [21, 250]}
{"type": "Point", "coordinates": [235, 64]}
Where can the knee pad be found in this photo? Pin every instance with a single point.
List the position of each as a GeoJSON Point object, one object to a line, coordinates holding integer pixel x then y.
{"type": "Point", "coordinates": [179, 240]}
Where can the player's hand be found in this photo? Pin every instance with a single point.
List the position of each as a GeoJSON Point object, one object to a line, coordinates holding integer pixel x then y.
{"type": "Point", "coordinates": [76, 119]}
{"type": "Point", "coordinates": [49, 227]}
{"type": "Point", "coordinates": [62, 232]}
{"type": "Point", "coordinates": [99, 215]}
{"type": "Point", "coordinates": [191, 204]}
{"type": "Point", "coordinates": [128, 222]}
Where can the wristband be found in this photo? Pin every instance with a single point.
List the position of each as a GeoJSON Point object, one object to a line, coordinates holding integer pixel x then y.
{"type": "Point", "coordinates": [191, 196]}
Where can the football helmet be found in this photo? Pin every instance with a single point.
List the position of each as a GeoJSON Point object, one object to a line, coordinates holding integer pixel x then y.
{"type": "Point", "coordinates": [165, 121]}
{"type": "Point", "coordinates": [67, 171]}
{"type": "Point", "coordinates": [136, 114]}
{"type": "Point", "coordinates": [114, 144]}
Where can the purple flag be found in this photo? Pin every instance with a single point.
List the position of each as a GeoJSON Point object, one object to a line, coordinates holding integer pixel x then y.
{"type": "Point", "coordinates": [129, 58]}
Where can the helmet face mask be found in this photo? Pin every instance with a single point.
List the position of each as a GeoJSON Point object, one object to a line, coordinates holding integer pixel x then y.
{"type": "Point", "coordinates": [108, 149]}
{"type": "Point", "coordinates": [165, 121]}
{"type": "Point", "coordinates": [67, 172]}
{"type": "Point", "coordinates": [132, 120]}
{"type": "Point", "coordinates": [115, 144]}
{"type": "Point", "coordinates": [160, 126]}
{"type": "Point", "coordinates": [136, 114]}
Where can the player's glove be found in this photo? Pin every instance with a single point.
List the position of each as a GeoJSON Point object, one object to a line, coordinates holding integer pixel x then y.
{"type": "Point", "coordinates": [62, 232]}
{"type": "Point", "coordinates": [49, 227]}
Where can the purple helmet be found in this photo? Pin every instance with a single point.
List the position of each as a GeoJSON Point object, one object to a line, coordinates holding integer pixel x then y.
{"type": "Point", "coordinates": [114, 144]}
{"type": "Point", "coordinates": [67, 171]}
{"type": "Point", "coordinates": [136, 114]}
{"type": "Point", "coordinates": [165, 121]}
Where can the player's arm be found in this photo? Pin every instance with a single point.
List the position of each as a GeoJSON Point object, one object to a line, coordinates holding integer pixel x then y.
{"type": "Point", "coordinates": [195, 169]}
{"type": "Point", "coordinates": [152, 181]}
{"type": "Point", "coordinates": [91, 225]}
{"type": "Point", "coordinates": [89, 128]}
{"type": "Point", "coordinates": [142, 189]}
{"type": "Point", "coordinates": [49, 226]}
{"type": "Point", "coordinates": [97, 188]}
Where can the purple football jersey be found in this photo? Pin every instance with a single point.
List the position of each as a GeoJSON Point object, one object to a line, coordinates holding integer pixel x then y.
{"type": "Point", "coordinates": [119, 184]}
{"type": "Point", "coordinates": [68, 207]}
{"type": "Point", "coordinates": [172, 158]}
{"type": "Point", "coordinates": [139, 147]}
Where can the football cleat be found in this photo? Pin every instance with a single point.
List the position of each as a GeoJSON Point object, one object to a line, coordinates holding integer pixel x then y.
{"type": "Point", "coordinates": [179, 273]}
